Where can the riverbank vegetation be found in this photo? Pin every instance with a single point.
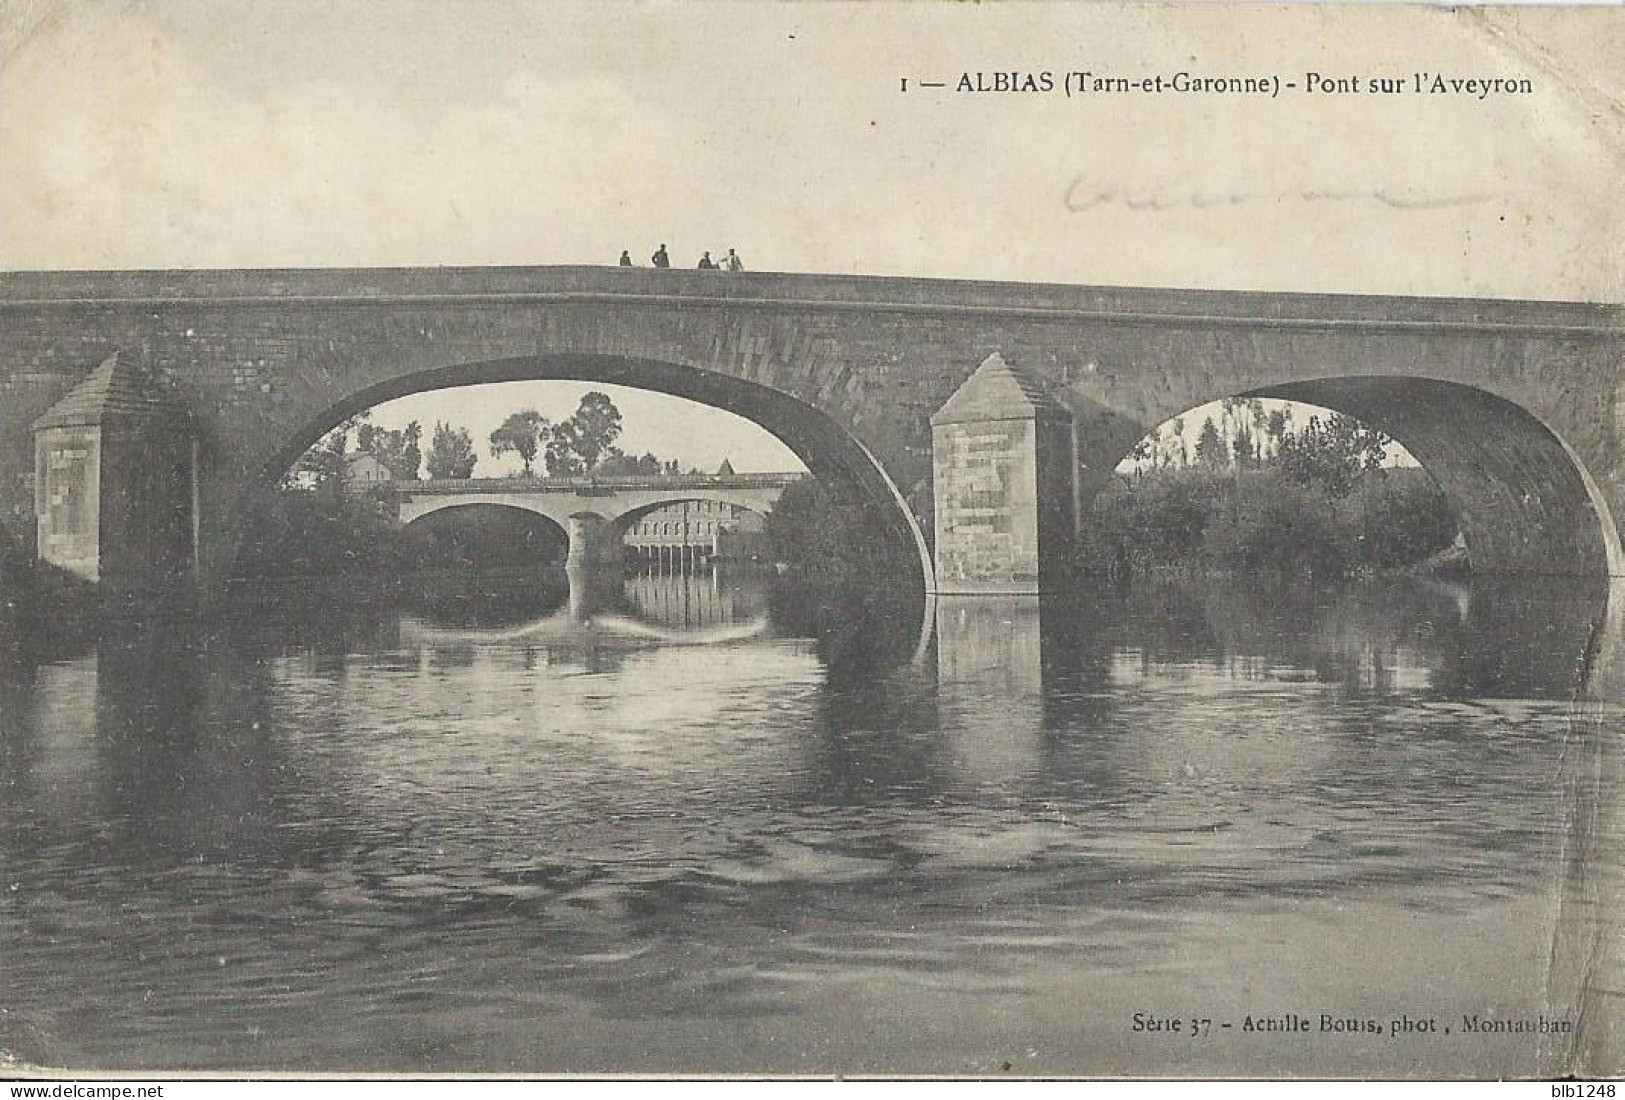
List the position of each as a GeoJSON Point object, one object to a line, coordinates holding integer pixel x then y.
{"type": "Point", "coordinates": [1200, 520]}
{"type": "Point", "coordinates": [1254, 495]}
{"type": "Point", "coordinates": [813, 531]}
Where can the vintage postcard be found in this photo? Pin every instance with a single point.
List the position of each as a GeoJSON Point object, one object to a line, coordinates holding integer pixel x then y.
{"type": "Point", "coordinates": [957, 540]}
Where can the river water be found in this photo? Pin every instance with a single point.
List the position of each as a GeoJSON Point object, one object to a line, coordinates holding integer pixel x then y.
{"type": "Point", "coordinates": [736, 825]}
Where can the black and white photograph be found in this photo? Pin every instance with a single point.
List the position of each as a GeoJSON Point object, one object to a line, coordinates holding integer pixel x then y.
{"type": "Point", "coordinates": [738, 539]}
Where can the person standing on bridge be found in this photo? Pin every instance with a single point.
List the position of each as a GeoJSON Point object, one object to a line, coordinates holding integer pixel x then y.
{"type": "Point", "coordinates": [730, 262]}
{"type": "Point", "coordinates": [660, 259]}
{"type": "Point", "coordinates": [626, 258]}
{"type": "Point", "coordinates": [706, 263]}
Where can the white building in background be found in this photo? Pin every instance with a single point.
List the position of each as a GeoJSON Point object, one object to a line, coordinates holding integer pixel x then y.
{"type": "Point", "coordinates": [696, 530]}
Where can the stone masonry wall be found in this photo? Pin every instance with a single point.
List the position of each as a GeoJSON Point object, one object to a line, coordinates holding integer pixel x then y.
{"type": "Point", "coordinates": [986, 507]}
{"type": "Point", "coordinates": [843, 369]}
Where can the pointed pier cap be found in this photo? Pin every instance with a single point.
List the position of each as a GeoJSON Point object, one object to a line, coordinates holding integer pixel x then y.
{"type": "Point", "coordinates": [998, 391]}
{"type": "Point", "coordinates": [117, 389]}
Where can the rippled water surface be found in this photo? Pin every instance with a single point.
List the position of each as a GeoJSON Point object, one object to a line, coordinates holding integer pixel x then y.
{"type": "Point", "coordinates": [723, 825]}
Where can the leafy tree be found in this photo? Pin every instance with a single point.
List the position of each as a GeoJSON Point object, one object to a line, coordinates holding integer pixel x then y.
{"type": "Point", "coordinates": [561, 460]}
{"type": "Point", "coordinates": [1260, 418]}
{"type": "Point", "coordinates": [322, 463]}
{"type": "Point", "coordinates": [1243, 445]}
{"type": "Point", "coordinates": [1146, 450]}
{"type": "Point", "coordinates": [587, 437]}
{"type": "Point", "coordinates": [1210, 445]}
{"type": "Point", "coordinates": [816, 531]}
{"type": "Point", "coordinates": [1276, 425]}
{"type": "Point", "coordinates": [1178, 438]}
{"type": "Point", "coordinates": [1332, 454]}
{"type": "Point", "coordinates": [521, 434]}
{"type": "Point", "coordinates": [451, 452]}
{"type": "Point", "coordinates": [397, 448]}
{"type": "Point", "coordinates": [619, 463]}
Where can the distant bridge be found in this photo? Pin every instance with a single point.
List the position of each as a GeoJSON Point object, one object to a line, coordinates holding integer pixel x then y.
{"type": "Point", "coordinates": [594, 512]}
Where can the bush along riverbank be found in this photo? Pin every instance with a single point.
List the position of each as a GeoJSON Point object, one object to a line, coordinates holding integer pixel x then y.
{"type": "Point", "coordinates": [1262, 519]}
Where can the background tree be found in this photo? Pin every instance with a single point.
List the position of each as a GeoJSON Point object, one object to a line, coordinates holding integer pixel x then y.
{"type": "Point", "coordinates": [624, 465]}
{"type": "Point", "coordinates": [521, 434]}
{"type": "Point", "coordinates": [561, 459]}
{"type": "Point", "coordinates": [1332, 454]}
{"type": "Point", "coordinates": [451, 452]}
{"type": "Point", "coordinates": [587, 437]}
{"type": "Point", "coordinates": [1275, 427]}
{"type": "Point", "coordinates": [322, 463]}
{"type": "Point", "coordinates": [1260, 419]}
{"type": "Point", "coordinates": [397, 448]}
{"type": "Point", "coordinates": [1243, 445]}
{"type": "Point", "coordinates": [1210, 448]}
{"type": "Point", "coordinates": [1146, 451]}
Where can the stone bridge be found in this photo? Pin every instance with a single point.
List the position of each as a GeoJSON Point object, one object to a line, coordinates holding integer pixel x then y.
{"type": "Point", "coordinates": [142, 413]}
{"type": "Point", "coordinates": [594, 512]}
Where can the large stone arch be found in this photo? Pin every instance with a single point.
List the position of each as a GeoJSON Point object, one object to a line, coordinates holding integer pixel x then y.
{"type": "Point", "coordinates": [830, 451]}
{"type": "Point", "coordinates": [1527, 502]}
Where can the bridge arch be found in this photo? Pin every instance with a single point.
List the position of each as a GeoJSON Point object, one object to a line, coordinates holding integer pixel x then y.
{"type": "Point", "coordinates": [621, 522]}
{"type": "Point", "coordinates": [831, 453]}
{"type": "Point", "coordinates": [424, 520]}
{"type": "Point", "coordinates": [1526, 501]}
{"type": "Point", "coordinates": [559, 518]}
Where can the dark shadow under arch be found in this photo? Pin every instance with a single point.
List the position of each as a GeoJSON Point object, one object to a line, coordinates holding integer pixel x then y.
{"type": "Point", "coordinates": [1527, 504]}
{"type": "Point", "coordinates": [427, 526]}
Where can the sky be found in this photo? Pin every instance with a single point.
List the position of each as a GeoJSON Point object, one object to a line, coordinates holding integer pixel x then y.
{"type": "Point", "coordinates": [201, 133]}
{"type": "Point", "coordinates": [230, 133]}
{"type": "Point", "coordinates": [670, 427]}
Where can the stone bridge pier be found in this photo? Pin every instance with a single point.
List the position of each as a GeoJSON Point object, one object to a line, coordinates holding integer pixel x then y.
{"type": "Point", "coordinates": [594, 542]}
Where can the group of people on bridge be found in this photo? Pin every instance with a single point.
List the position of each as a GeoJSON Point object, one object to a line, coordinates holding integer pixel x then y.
{"type": "Point", "coordinates": [730, 262]}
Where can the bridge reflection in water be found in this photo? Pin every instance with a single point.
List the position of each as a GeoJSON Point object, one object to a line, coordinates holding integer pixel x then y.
{"type": "Point", "coordinates": [695, 599]}
{"type": "Point", "coordinates": [781, 809]}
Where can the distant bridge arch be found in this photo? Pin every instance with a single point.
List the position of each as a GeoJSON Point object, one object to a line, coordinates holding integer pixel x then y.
{"type": "Point", "coordinates": [440, 526]}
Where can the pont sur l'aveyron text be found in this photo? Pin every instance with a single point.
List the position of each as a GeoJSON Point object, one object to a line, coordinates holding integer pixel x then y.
{"type": "Point", "coordinates": [1084, 83]}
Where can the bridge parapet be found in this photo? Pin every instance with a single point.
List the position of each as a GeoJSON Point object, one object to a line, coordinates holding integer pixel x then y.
{"type": "Point", "coordinates": [589, 486]}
